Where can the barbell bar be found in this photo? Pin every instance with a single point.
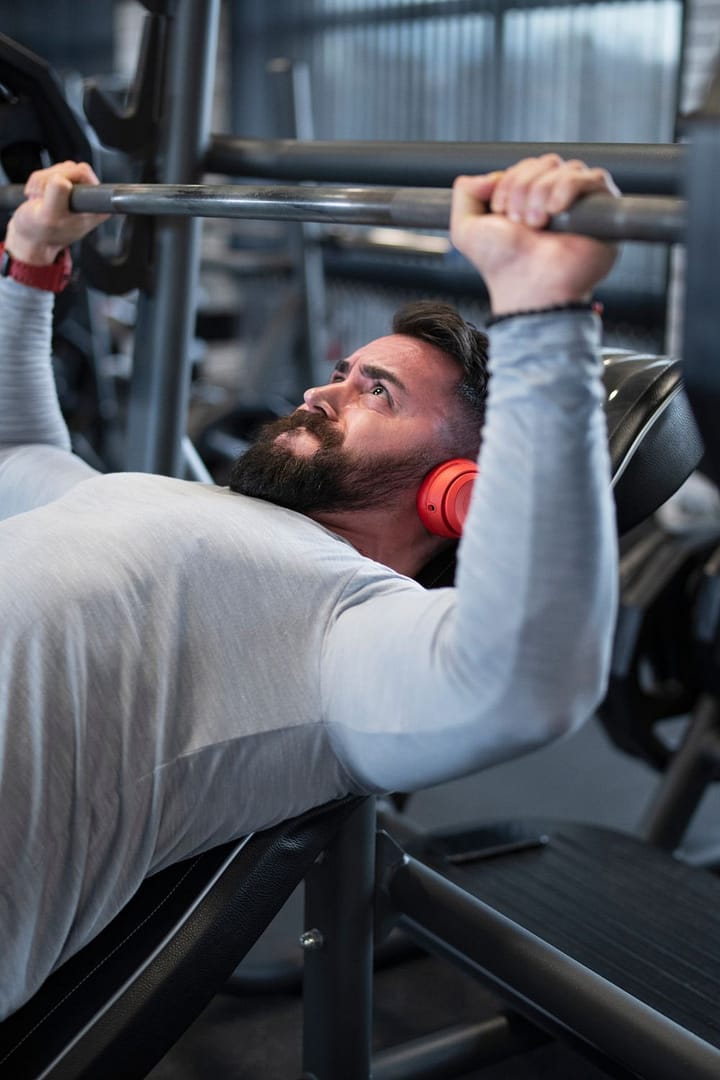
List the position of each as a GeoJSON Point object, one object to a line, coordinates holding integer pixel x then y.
{"type": "Point", "coordinates": [651, 218]}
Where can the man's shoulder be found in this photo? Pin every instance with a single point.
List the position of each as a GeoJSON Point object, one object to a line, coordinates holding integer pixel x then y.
{"type": "Point", "coordinates": [186, 514]}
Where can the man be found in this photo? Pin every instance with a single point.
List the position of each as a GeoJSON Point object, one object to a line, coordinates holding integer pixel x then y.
{"type": "Point", "coordinates": [181, 664]}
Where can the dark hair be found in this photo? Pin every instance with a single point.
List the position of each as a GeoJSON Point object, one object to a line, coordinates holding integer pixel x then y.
{"type": "Point", "coordinates": [439, 324]}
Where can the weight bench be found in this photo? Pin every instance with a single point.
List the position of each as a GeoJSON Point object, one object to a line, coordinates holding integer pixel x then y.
{"type": "Point", "coordinates": [588, 934]}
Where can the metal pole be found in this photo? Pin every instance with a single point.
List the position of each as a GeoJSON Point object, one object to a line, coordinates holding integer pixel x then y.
{"type": "Point", "coordinates": [338, 943]}
{"type": "Point", "coordinates": [166, 317]}
{"type": "Point", "coordinates": [701, 327]}
{"type": "Point", "coordinates": [691, 770]}
{"type": "Point", "coordinates": [291, 80]}
{"type": "Point", "coordinates": [458, 1050]}
{"type": "Point", "coordinates": [195, 468]}
{"type": "Point", "coordinates": [637, 167]}
{"type": "Point", "coordinates": [310, 255]}
{"type": "Point", "coordinates": [648, 218]}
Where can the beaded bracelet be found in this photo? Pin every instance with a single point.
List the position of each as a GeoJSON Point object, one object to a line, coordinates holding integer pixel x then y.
{"type": "Point", "coordinates": [572, 305]}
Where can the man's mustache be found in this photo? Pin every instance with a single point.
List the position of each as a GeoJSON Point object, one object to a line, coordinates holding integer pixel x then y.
{"type": "Point", "coordinates": [318, 424]}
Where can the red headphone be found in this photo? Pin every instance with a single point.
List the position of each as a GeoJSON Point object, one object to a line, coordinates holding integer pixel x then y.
{"type": "Point", "coordinates": [444, 497]}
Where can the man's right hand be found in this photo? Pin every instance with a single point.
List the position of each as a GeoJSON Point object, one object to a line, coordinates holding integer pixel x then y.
{"type": "Point", "coordinates": [44, 224]}
{"type": "Point", "coordinates": [497, 222]}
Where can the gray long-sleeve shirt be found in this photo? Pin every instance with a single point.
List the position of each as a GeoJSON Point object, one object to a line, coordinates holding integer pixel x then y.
{"type": "Point", "coordinates": [180, 665]}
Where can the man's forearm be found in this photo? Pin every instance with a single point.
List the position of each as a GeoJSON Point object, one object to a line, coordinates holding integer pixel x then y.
{"type": "Point", "coordinates": [36, 465]}
{"type": "Point", "coordinates": [29, 408]}
{"type": "Point", "coordinates": [539, 549]}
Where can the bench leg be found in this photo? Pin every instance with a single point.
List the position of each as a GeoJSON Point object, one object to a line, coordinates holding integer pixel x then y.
{"type": "Point", "coordinates": [693, 767]}
{"type": "Point", "coordinates": [338, 943]}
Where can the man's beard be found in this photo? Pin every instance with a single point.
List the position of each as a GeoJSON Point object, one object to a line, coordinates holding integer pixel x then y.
{"type": "Point", "coordinates": [329, 479]}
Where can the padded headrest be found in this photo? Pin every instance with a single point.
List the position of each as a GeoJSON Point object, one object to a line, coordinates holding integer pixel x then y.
{"type": "Point", "coordinates": [653, 438]}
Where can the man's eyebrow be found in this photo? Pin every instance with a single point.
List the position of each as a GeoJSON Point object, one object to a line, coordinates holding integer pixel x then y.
{"type": "Point", "coordinates": [372, 371]}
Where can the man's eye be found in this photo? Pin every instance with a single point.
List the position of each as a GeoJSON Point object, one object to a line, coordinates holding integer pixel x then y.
{"type": "Point", "coordinates": [378, 390]}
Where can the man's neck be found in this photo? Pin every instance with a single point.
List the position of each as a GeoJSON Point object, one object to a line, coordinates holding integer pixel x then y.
{"type": "Point", "coordinates": [384, 536]}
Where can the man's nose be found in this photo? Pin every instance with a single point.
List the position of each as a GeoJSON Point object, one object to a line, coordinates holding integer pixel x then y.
{"type": "Point", "coordinates": [325, 399]}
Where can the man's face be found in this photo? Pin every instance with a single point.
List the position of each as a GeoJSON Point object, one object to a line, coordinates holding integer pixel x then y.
{"type": "Point", "coordinates": [373, 431]}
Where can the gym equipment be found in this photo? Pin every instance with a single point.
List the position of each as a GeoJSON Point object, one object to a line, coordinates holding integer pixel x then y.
{"type": "Point", "coordinates": [35, 119]}
{"type": "Point", "coordinates": [696, 763]}
{"type": "Point", "coordinates": [638, 385]}
{"type": "Point", "coordinates": [667, 579]}
{"type": "Point", "coordinates": [665, 665]}
{"type": "Point", "coordinates": [576, 954]}
{"type": "Point", "coordinates": [174, 81]}
{"type": "Point", "coordinates": [649, 218]}
{"type": "Point", "coordinates": [651, 671]}
{"type": "Point", "coordinates": [152, 962]}
{"type": "Point", "coordinates": [647, 168]}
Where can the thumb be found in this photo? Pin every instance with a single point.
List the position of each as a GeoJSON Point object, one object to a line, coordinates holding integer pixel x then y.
{"type": "Point", "coordinates": [57, 195]}
{"type": "Point", "coordinates": [471, 198]}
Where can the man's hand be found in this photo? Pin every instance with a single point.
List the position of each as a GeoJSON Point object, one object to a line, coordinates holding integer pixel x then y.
{"type": "Point", "coordinates": [44, 224]}
{"type": "Point", "coordinates": [497, 222]}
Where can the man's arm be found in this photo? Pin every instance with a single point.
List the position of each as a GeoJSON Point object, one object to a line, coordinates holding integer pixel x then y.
{"type": "Point", "coordinates": [36, 465]}
{"type": "Point", "coordinates": [449, 682]}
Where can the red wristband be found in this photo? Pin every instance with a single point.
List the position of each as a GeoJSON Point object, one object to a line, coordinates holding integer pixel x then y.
{"type": "Point", "coordinates": [52, 278]}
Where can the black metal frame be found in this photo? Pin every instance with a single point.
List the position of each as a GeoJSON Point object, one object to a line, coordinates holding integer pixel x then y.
{"type": "Point", "coordinates": [166, 316]}
{"type": "Point", "coordinates": [548, 991]}
{"type": "Point", "coordinates": [693, 767]}
{"type": "Point", "coordinates": [701, 364]}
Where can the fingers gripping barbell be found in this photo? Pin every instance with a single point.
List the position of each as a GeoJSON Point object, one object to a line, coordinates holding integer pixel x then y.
{"type": "Point", "coordinates": [657, 219]}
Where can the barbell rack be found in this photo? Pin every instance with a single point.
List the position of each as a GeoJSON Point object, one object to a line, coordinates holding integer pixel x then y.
{"type": "Point", "coordinates": [637, 168]}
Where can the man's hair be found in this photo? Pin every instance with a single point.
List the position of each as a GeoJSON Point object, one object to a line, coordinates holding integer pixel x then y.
{"type": "Point", "coordinates": [439, 324]}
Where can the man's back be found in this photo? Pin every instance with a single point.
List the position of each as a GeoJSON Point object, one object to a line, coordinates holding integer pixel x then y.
{"type": "Point", "coordinates": [148, 669]}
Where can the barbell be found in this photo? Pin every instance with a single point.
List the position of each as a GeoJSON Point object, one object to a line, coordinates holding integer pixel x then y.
{"type": "Point", "coordinates": [650, 218]}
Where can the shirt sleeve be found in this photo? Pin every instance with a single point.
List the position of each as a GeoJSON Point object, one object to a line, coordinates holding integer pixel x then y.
{"type": "Point", "coordinates": [36, 463]}
{"type": "Point", "coordinates": [420, 687]}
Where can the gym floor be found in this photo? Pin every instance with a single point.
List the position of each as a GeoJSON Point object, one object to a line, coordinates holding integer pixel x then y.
{"type": "Point", "coordinates": [582, 778]}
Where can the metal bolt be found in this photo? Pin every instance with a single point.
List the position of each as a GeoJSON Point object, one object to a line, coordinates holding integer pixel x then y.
{"type": "Point", "coordinates": [312, 940]}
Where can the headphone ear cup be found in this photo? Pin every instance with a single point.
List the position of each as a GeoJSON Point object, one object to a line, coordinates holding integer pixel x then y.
{"type": "Point", "coordinates": [444, 497]}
